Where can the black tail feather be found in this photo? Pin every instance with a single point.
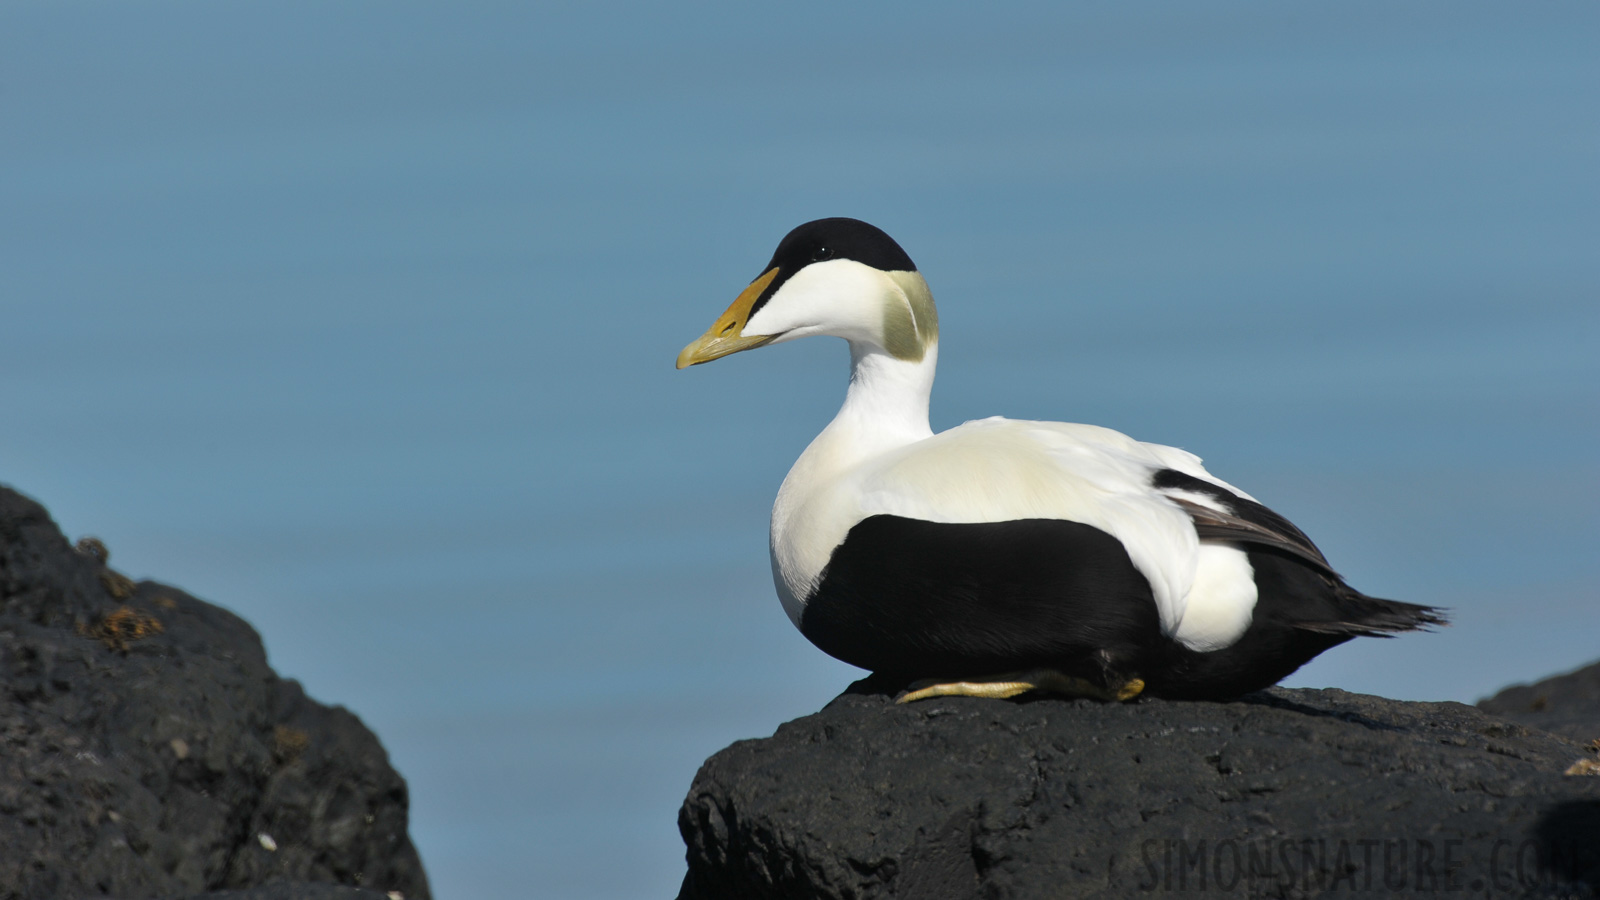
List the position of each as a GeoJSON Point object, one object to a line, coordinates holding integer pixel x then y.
{"type": "Point", "coordinates": [1363, 616]}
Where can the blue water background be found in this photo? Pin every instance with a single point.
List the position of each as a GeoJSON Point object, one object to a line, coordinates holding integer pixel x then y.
{"type": "Point", "coordinates": [358, 318]}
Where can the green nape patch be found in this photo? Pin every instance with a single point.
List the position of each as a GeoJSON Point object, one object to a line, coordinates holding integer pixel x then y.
{"type": "Point", "coordinates": [910, 321]}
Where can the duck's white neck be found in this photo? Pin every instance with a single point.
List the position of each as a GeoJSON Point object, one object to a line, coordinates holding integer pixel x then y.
{"type": "Point", "coordinates": [885, 408]}
{"type": "Point", "coordinates": [887, 404]}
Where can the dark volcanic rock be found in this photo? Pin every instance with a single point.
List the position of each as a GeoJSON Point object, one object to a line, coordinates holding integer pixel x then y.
{"type": "Point", "coordinates": [296, 890]}
{"type": "Point", "coordinates": [1282, 793]}
{"type": "Point", "coordinates": [1565, 704]}
{"type": "Point", "coordinates": [148, 750]}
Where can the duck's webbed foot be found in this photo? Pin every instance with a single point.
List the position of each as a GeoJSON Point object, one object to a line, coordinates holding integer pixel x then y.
{"type": "Point", "coordinates": [1010, 684]}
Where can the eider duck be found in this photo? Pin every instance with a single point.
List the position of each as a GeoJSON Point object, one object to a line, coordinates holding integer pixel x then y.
{"type": "Point", "coordinates": [1004, 556]}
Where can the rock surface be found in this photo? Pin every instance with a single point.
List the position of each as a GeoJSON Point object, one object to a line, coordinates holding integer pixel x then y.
{"type": "Point", "coordinates": [295, 890]}
{"type": "Point", "coordinates": [1284, 793]}
{"type": "Point", "coordinates": [1567, 704]}
{"type": "Point", "coordinates": [148, 750]}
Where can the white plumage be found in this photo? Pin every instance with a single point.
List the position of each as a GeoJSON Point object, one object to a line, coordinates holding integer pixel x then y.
{"type": "Point", "coordinates": [1011, 470]}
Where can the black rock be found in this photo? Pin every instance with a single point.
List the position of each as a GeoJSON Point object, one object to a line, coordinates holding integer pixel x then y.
{"type": "Point", "coordinates": [297, 890]}
{"type": "Point", "coordinates": [148, 750]}
{"type": "Point", "coordinates": [1565, 704]}
{"type": "Point", "coordinates": [1282, 793]}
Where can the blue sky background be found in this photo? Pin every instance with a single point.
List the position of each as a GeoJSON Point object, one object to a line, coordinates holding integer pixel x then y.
{"type": "Point", "coordinates": [359, 319]}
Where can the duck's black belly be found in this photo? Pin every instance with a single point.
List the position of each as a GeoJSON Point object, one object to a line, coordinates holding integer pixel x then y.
{"type": "Point", "coordinates": [930, 599]}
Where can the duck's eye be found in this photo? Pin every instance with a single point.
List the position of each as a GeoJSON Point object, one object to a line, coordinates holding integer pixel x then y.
{"type": "Point", "coordinates": [821, 253]}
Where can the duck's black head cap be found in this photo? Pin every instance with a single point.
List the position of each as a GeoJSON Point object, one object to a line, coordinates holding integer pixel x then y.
{"type": "Point", "coordinates": [839, 238]}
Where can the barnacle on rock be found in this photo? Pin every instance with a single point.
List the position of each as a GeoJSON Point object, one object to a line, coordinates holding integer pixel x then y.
{"type": "Point", "coordinates": [117, 584]}
{"type": "Point", "coordinates": [288, 743]}
{"type": "Point", "coordinates": [93, 548]}
{"type": "Point", "coordinates": [123, 624]}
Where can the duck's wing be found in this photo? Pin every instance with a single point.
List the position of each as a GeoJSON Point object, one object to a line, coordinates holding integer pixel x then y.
{"type": "Point", "coordinates": [1221, 513]}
